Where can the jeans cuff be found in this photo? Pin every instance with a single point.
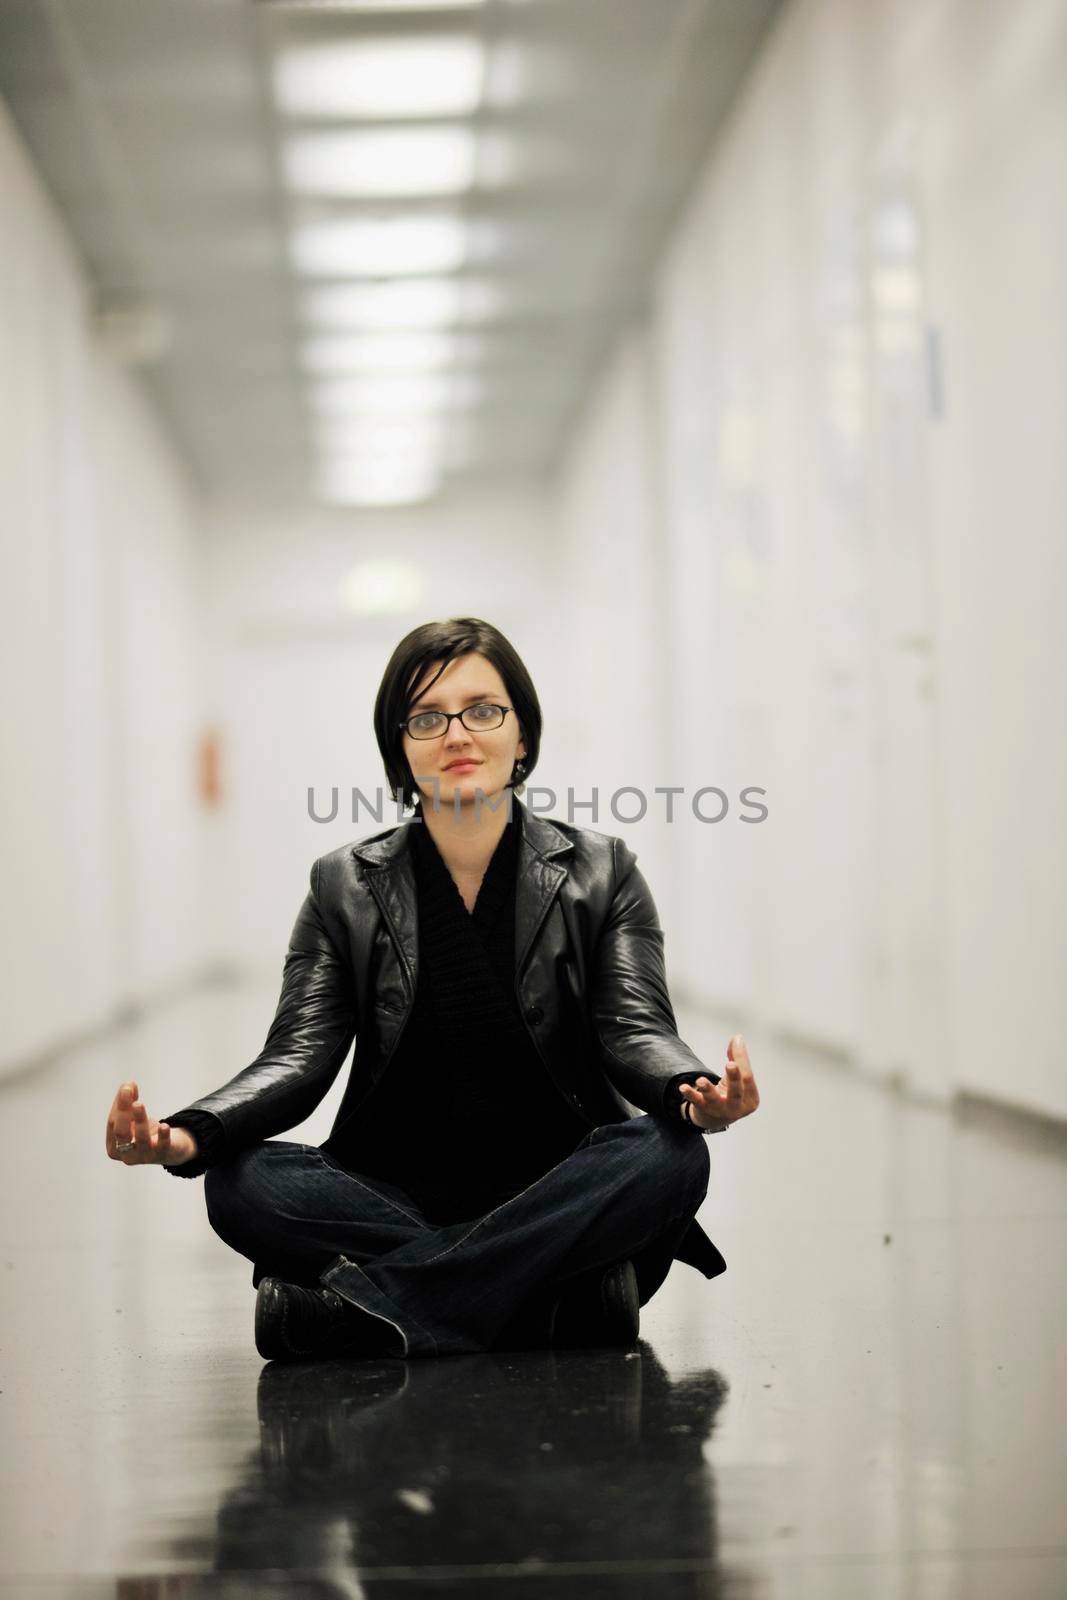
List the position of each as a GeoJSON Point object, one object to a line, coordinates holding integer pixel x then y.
{"type": "Point", "coordinates": [352, 1284]}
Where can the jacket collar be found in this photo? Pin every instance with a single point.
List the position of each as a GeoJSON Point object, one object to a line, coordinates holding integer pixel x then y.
{"type": "Point", "coordinates": [539, 875]}
{"type": "Point", "coordinates": [538, 837]}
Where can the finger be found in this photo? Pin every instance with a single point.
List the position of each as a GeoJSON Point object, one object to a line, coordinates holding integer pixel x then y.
{"type": "Point", "coordinates": [698, 1092]}
{"type": "Point", "coordinates": [140, 1130]}
{"type": "Point", "coordinates": [703, 1089]}
{"type": "Point", "coordinates": [738, 1051]}
{"type": "Point", "coordinates": [123, 1121]}
{"type": "Point", "coordinates": [162, 1140]}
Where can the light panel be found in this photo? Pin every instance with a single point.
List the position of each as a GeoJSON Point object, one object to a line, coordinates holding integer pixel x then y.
{"type": "Point", "coordinates": [382, 588]}
{"type": "Point", "coordinates": [355, 484]}
{"type": "Point", "coordinates": [379, 163]}
{"type": "Point", "coordinates": [372, 5]}
{"type": "Point", "coordinates": [430, 76]}
{"type": "Point", "coordinates": [404, 352]}
{"type": "Point", "coordinates": [361, 247]}
{"type": "Point", "coordinates": [420, 303]}
{"type": "Point", "coordinates": [386, 354]}
{"type": "Point", "coordinates": [393, 397]}
{"type": "Point", "coordinates": [372, 440]}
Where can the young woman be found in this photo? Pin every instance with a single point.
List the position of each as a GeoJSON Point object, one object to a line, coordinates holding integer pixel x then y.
{"type": "Point", "coordinates": [517, 1158]}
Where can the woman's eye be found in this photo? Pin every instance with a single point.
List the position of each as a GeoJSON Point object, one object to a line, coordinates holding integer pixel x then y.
{"type": "Point", "coordinates": [483, 713]}
{"type": "Point", "coordinates": [427, 720]}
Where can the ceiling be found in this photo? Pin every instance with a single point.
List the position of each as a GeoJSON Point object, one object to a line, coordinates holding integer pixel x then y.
{"type": "Point", "coordinates": [564, 136]}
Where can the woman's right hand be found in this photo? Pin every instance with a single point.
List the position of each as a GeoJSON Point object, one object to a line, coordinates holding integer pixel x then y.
{"type": "Point", "coordinates": [156, 1143]}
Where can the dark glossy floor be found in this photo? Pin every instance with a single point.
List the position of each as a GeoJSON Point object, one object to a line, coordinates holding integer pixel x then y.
{"type": "Point", "coordinates": [868, 1403]}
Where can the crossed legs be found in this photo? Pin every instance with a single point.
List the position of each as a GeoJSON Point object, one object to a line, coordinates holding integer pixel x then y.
{"type": "Point", "coordinates": [627, 1191]}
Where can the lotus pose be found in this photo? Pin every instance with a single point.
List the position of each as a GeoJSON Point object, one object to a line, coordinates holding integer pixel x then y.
{"type": "Point", "coordinates": [519, 1152]}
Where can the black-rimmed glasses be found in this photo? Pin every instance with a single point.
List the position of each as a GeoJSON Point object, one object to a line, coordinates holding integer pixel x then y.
{"type": "Point", "coordinates": [482, 718]}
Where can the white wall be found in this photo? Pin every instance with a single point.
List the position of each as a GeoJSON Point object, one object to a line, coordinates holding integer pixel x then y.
{"type": "Point", "coordinates": [102, 841]}
{"type": "Point", "coordinates": [612, 587]}
{"type": "Point", "coordinates": [851, 400]}
{"type": "Point", "coordinates": [295, 673]}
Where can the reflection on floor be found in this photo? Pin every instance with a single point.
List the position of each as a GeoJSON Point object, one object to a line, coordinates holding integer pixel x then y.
{"type": "Point", "coordinates": [869, 1402]}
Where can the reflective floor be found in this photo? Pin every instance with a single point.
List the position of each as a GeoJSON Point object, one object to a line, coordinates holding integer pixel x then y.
{"type": "Point", "coordinates": [868, 1403]}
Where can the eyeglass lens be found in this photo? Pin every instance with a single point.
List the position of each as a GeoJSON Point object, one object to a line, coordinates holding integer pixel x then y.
{"type": "Point", "coordinates": [477, 719]}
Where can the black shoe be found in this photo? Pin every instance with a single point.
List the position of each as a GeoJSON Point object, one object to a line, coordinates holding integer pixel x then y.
{"type": "Point", "coordinates": [606, 1311]}
{"type": "Point", "coordinates": [293, 1323]}
{"type": "Point", "coordinates": [531, 1326]}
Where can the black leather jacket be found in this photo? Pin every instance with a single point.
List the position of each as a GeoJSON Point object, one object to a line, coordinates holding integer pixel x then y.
{"type": "Point", "coordinates": [589, 976]}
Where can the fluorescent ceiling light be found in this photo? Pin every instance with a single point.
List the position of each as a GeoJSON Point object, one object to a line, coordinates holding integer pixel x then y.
{"type": "Point", "coordinates": [896, 289]}
{"type": "Point", "coordinates": [421, 303]}
{"type": "Point", "coordinates": [373, 440]}
{"type": "Point", "coordinates": [376, 453]}
{"type": "Point", "coordinates": [347, 483]}
{"type": "Point", "coordinates": [393, 396]}
{"type": "Point", "coordinates": [429, 76]}
{"type": "Point", "coordinates": [404, 352]}
{"type": "Point", "coordinates": [358, 247]}
{"type": "Point", "coordinates": [374, 163]}
{"type": "Point", "coordinates": [373, 5]}
{"type": "Point", "coordinates": [380, 588]}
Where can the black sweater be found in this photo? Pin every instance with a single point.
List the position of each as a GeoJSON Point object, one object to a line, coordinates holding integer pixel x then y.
{"type": "Point", "coordinates": [466, 1113]}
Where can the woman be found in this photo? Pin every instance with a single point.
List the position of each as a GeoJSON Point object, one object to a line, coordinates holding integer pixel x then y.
{"type": "Point", "coordinates": [489, 1179]}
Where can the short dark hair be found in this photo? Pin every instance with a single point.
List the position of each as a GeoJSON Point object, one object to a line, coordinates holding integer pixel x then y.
{"type": "Point", "coordinates": [444, 641]}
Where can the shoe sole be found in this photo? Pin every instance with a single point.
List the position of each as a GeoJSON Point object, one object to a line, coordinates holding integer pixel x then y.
{"type": "Point", "coordinates": [622, 1304]}
{"type": "Point", "coordinates": [270, 1321]}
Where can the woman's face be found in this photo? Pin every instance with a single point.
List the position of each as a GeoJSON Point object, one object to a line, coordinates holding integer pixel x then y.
{"type": "Point", "coordinates": [488, 755]}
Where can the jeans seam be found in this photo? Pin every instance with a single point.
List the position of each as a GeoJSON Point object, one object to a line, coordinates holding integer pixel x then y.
{"type": "Point", "coordinates": [337, 1267]}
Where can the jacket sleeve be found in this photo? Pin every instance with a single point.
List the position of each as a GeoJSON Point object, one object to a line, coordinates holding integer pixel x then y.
{"type": "Point", "coordinates": [210, 1136]}
{"type": "Point", "coordinates": [313, 1027]}
{"type": "Point", "coordinates": [640, 1049]}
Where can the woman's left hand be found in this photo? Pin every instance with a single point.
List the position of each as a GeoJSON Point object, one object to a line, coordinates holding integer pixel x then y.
{"type": "Point", "coordinates": [734, 1097]}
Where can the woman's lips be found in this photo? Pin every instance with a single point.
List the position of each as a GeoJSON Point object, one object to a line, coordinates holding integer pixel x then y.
{"type": "Point", "coordinates": [461, 766]}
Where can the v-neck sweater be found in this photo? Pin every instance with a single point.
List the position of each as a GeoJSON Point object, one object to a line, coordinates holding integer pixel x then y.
{"type": "Point", "coordinates": [466, 1113]}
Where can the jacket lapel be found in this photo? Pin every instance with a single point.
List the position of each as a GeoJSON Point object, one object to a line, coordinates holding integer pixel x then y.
{"type": "Point", "coordinates": [540, 876]}
{"type": "Point", "coordinates": [539, 879]}
{"type": "Point", "coordinates": [392, 884]}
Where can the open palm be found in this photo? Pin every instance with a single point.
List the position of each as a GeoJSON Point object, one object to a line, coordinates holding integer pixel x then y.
{"type": "Point", "coordinates": [733, 1097]}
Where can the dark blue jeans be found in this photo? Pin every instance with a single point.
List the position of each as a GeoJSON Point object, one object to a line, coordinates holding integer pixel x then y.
{"type": "Point", "coordinates": [628, 1190]}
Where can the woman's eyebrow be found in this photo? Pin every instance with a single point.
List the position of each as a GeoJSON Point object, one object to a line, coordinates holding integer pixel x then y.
{"type": "Point", "coordinates": [435, 705]}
